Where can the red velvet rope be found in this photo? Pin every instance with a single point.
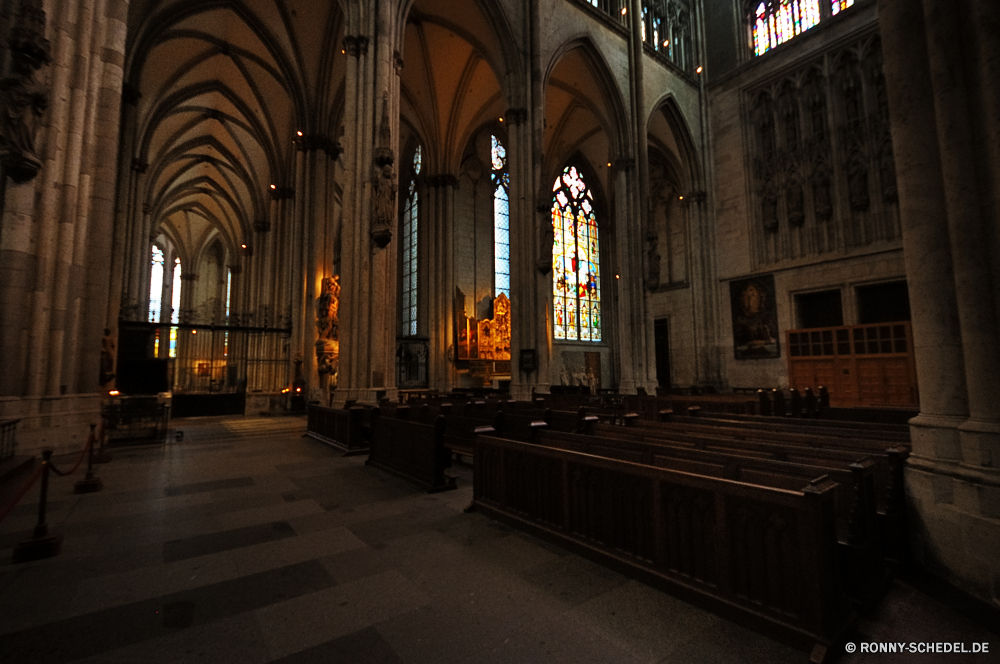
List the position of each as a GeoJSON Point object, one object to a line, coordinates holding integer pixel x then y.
{"type": "Point", "coordinates": [79, 460]}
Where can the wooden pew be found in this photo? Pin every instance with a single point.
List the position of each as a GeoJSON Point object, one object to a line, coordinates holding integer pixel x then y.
{"type": "Point", "coordinates": [858, 527]}
{"type": "Point", "coordinates": [411, 450]}
{"type": "Point", "coordinates": [767, 557]}
{"type": "Point", "coordinates": [890, 496]}
{"type": "Point", "coordinates": [342, 429]}
{"type": "Point", "coordinates": [888, 432]}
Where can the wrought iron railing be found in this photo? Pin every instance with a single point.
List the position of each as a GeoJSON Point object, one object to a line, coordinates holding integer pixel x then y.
{"type": "Point", "coordinates": [411, 363]}
{"type": "Point", "coordinates": [8, 439]}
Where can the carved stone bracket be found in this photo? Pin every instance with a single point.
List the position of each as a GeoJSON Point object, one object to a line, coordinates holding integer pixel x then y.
{"type": "Point", "coordinates": [309, 142]}
{"type": "Point", "coordinates": [516, 116]}
{"type": "Point", "coordinates": [441, 180]}
{"type": "Point", "coordinates": [356, 45]}
{"type": "Point", "coordinates": [282, 193]}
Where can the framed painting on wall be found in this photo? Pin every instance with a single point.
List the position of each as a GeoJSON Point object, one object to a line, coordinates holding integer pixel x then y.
{"type": "Point", "coordinates": [755, 318]}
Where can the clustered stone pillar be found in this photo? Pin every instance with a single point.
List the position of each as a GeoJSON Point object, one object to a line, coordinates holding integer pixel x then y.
{"type": "Point", "coordinates": [941, 67]}
{"type": "Point", "coordinates": [55, 235]}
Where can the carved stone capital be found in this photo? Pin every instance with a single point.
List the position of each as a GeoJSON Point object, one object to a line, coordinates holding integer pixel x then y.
{"type": "Point", "coordinates": [441, 180]}
{"type": "Point", "coordinates": [262, 225]}
{"type": "Point", "coordinates": [397, 62]}
{"type": "Point", "coordinates": [138, 165]}
{"type": "Point", "coordinates": [356, 45]}
{"type": "Point", "coordinates": [282, 193]}
{"type": "Point", "coordinates": [189, 276]}
{"type": "Point", "coordinates": [516, 116]}
{"type": "Point", "coordinates": [308, 142]}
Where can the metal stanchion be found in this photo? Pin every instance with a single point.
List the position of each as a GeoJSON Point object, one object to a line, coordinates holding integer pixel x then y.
{"type": "Point", "coordinates": [89, 484]}
{"type": "Point", "coordinates": [42, 544]}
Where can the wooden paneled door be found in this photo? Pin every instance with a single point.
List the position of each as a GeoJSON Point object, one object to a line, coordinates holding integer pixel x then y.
{"type": "Point", "coordinates": [861, 365]}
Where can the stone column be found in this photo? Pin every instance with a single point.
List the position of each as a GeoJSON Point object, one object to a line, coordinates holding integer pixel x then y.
{"type": "Point", "coordinates": [952, 479]}
{"type": "Point", "coordinates": [952, 71]}
{"type": "Point", "coordinates": [926, 245]}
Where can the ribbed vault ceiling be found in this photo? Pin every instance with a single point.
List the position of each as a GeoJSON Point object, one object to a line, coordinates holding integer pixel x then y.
{"type": "Point", "coordinates": [225, 86]}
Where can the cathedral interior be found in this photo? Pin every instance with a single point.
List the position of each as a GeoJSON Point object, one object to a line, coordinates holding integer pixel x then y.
{"type": "Point", "coordinates": [248, 206]}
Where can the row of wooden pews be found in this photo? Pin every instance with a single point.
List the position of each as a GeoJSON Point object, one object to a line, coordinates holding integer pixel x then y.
{"type": "Point", "coordinates": [786, 524]}
{"type": "Point", "coordinates": [417, 440]}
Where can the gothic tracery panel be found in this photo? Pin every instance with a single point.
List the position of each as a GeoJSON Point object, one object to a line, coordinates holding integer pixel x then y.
{"type": "Point", "coordinates": [820, 165]}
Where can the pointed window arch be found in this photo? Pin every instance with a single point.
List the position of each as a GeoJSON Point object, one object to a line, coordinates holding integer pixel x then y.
{"type": "Point", "coordinates": [155, 284]}
{"type": "Point", "coordinates": [576, 278]}
{"type": "Point", "coordinates": [409, 224]}
{"type": "Point", "coordinates": [501, 219]}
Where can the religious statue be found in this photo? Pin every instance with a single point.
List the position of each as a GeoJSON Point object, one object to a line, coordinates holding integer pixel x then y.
{"type": "Point", "coordinates": [857, 183]}
{"type": "Point", "coordinates": [23, 98]}
{"type": "Point", "coordinates": [653, 261]}
{"type": "Point", "coordinates": [795, 204]}
{"type": "Point", "coordinates": [327, 314]}
{"type": "Point", "coordinates": [383, 205]}
{"type": "Point", "coordinates": [107, 358]}
{"type": "Point", "coordinates": [769, 211]}
{"type": "Point", "coordinates": [327, 330]}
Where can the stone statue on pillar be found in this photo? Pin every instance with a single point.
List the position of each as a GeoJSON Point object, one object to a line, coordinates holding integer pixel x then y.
{"type": "Point", "coordinates": [327, 330]}
{"type": "Point", "coordinates": [383, 183]}
{"type": "Point", "coordinates": [107, 358]}
{"type": "Point", "coordinates": [22, 97]}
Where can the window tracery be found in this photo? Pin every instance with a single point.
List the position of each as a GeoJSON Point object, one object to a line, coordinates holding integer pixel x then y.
{"type": "Point", "coordinates": [576, 280]}
{"type": "Point", "coordinates": [501, 218]}
{"type": "Point", "coordinates": [409, 224]}
{"type": "Point", "coordinates": [774, 22]}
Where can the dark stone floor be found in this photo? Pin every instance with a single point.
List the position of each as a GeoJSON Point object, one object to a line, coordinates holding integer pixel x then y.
{"type": "Point", "coordinates": [248, 543]}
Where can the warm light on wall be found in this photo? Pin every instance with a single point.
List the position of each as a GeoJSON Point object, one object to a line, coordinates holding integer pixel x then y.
{"type": "Point", "coordinates": [274, 186]}
{"type": "Point", "coordinates": [698, 70]}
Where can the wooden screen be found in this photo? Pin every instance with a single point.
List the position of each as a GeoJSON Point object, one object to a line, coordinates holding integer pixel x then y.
{"type": "Point", "coordinates": [861, 365]}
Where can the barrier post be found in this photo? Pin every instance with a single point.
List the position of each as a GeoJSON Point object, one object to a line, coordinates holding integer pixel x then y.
{"type": "Point", "coordinates": [89, 484]}
{"type": "Point", "coordinates": [42, 544]}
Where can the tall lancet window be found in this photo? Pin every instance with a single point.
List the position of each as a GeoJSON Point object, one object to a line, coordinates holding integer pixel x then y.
{"type": "Point", "coordinates": [409, 238]}
{"type": "Point", "coordinates": [155, 285]}
{"type": "Point", "coordinates": [175, 306]}
{"type": "Point", "coordinates": [501, 220]}
{"type": "Point", "coordinates": [576, 274]}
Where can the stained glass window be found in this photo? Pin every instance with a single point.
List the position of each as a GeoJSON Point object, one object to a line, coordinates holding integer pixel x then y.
{"type": "Point", "coordinates": [576, 278]}
{"type": "Point", "coordinates": [155, 285]}
{"type": "Point", "coordinates": [409, 249]}
{"type": "Point", "coordinates": [501, 220]}
{"type": "Point", "coordinates": [838, 5]}
{"type": "Point", "coordinates": [175, 303]}
{"type": "Point", "coordinates": [784, 20]}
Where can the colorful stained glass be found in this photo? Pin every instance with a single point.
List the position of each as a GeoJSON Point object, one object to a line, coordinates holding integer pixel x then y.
{"type": "Point", "coordinates": [501, 219]}
{"type": "Point", "coordinates": [787, 19]}
{"type": "Point", "coordinates": [576, 279]}
{"type": "Point", "coordinates": [839, 5]}
{"type": "Point", "coordinates": [155, 284]}
{"type": "Point", "coordinates": [409, 226]}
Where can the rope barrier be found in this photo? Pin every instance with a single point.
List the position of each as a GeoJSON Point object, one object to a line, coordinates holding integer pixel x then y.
{"type": "Point", "coordinates": [42, 544]}
{"type": "Point", "coordinates": [79, 460]}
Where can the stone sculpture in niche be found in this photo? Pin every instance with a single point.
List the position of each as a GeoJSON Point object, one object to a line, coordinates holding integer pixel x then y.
{"type": "Point", "coordinates": [383, 183]}
{"type": "Point", "coordinates": [795, 204]}
{"type": "Point", "coordinates": [23, 98]}
{"type": "Point", "coordinates": [327, 331]}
